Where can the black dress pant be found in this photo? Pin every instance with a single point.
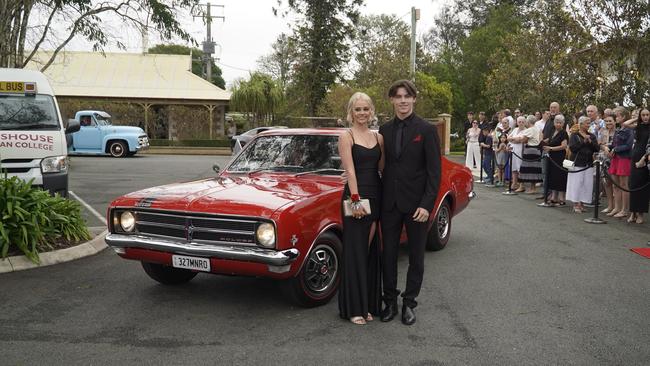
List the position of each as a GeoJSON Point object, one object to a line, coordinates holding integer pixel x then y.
{"type": "Point", "coordinates": [391, 228]}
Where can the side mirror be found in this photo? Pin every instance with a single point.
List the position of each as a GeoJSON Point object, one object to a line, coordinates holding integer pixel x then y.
{"type": "Point", "coordinates": [73, 126]}
{"type": "Point", "coordinates": [216, 168]}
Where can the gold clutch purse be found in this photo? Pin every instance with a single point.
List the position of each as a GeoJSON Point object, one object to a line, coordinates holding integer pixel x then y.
{"type": "Point", "coordinates": [347, 206]}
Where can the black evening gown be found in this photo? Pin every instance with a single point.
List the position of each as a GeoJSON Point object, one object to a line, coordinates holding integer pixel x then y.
{"type": "Point", "coordinates": [360, 288]}
{"type": "Point", "coordinates": [639, 177]}
{"type": "Point", "coordinates": [557, 177]}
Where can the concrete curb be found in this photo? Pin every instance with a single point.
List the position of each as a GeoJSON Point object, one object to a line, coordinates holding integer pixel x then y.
{"type": "Point", "coordinates": [20, 262]}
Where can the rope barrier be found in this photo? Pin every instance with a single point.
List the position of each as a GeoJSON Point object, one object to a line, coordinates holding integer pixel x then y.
{"type": "Point", "coordinates": [528, 160]}
{"type": "Point", "coordinates": [608, 176]}
{"type": "Point", "coordinates": [571, 171]}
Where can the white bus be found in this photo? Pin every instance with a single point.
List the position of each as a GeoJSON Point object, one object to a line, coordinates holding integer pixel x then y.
{"type": "Point", "coordinates": [32, 134]}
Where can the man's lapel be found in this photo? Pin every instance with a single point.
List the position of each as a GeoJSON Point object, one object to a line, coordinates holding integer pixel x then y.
{"type": "Point", "coordinates": [389, 144]}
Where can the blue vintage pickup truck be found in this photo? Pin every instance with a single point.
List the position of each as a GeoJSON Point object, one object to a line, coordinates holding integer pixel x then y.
{"type": "Point", "coordinates": [97, 136]}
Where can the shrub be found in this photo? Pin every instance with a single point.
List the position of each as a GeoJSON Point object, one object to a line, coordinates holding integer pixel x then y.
{"type": "Point", "coordinates": [31, 219]}
{"type": "Point", "coordinates": [191, 143]}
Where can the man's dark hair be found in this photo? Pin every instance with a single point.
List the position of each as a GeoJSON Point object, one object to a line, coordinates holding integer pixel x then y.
{"type": "Point", "coordinates": [506, 112]}
{"type": "Point", "coordinates": [470, 112]}
{"type": "Point", "coordinates": [483, 113]}
{"type": "Point", "coordinates": [406, 84]}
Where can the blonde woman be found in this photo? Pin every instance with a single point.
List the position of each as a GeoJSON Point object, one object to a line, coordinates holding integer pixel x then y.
{"type": "Point", "coordinates": [362, 156]}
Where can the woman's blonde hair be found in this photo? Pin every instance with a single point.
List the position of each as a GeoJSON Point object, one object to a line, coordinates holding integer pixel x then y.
{"type": "Point", "coordinates": [360, 96]}
{"type": "Point", "coordinates": [623, 112]}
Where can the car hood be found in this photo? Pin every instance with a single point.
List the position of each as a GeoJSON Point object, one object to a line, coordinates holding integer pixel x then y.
{"type": "Point", "coordinates": [125, 130]}
{"type": "Point", "coordinates": [231, 195]}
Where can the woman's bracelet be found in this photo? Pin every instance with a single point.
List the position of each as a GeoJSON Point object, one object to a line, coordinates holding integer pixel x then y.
{"type": "Point", "coordinates": [356, 205]}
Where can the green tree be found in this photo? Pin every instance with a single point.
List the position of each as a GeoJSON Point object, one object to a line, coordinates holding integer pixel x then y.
{"type": "Point", "coordinates": [433, 97]}
{"type": "Point", "coordinates": [281, 61]}
{"type": "Point", "coordinates": [260, 96]}
{"type": "Point", "coordinates": [197, 64]}
{"type": "Point", "coordinates": [621, 31]}
{"type": "Point", "coordinates": [25, 25]}
{"type": "Point", "coordinates": [321, 38]}
{"type": "Point", "coordinates": [544, 64]}
{"type": "Point", "coordinates": [381, 51]}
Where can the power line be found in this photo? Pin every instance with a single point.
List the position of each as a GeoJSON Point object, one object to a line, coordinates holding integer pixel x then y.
{"type": "Point", "coordinates": [232, 67]}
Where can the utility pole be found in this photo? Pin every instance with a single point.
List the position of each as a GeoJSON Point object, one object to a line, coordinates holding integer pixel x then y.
{"type": "Point", "coordinates": [415, 16]}
{"type": "Point", "coordinates": [208, 44]}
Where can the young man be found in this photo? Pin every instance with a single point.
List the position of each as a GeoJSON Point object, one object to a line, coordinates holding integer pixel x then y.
{"type": "Point", "coordinates": [488, 156]}
{"type": "Point", "coordinates": [411, 179]}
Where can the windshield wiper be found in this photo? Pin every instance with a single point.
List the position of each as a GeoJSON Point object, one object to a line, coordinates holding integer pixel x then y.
{"type": "Point", "coordinates": [276, 168]}
{"type": "Point", "coordinates": [319, 171]}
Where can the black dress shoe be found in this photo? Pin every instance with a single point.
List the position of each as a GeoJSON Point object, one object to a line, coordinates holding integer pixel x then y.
{"type": "Point", "coordinates": [389, 312]}
{"type": "Point", "coordinates": [408, 315]}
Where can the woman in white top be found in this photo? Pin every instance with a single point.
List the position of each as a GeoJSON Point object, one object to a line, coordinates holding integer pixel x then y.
{"type": "Point", "coordinates": [531, 166]}
{"type": "Point", "coordinates": [517, 148]}
{"type": "Point", "coordinates": [472, 155]}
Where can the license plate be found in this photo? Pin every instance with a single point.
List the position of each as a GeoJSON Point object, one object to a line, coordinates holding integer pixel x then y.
{"type": "Point", "coordinates": [194, 263]}
{"type": "Point", "coordinates": [12, 87]}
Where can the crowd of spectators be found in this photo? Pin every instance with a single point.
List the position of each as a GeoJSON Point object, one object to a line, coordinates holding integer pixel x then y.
{"type": "Point", "coordinates": [556, 151]}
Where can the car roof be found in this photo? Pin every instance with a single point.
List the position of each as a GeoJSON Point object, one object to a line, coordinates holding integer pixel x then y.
{"type": "Point", "coordinates": [324, 131]}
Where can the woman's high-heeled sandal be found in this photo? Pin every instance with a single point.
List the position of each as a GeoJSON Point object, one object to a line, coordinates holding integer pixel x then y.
{"type": "Point", "coordinates": [358, 320]}
{"type": "Point", "coordinates": [369, 318]}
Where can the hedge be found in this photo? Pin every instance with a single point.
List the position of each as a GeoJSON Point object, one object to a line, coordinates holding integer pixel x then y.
{"type": "Point", "coordinates": [190, 143]}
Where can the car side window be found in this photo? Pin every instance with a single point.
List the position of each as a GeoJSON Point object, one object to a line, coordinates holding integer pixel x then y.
{"type": "Point", "coordinates": [85, 121]}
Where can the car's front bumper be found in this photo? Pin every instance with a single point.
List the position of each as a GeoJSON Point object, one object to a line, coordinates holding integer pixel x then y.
{"type": "Point", "coordinates": [237, 253]}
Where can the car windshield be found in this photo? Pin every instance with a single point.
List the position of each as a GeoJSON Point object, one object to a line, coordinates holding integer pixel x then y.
{"type": "Point", "coordinates": [103, 121]}
{"type": "Point", "coordinates": [292, 153]}
{"type": "Point", "coordinates": [29, 112]}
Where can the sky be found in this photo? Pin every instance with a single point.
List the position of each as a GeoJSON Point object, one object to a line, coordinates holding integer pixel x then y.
{"type": "Point", "coordinates": [250, 28]}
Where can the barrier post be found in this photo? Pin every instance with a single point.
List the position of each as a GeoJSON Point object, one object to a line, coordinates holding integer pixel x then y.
{"type": "Point", "coordinates": [595, 219]}
{"type": "Point", "coordinates": [480, 167]}
{"type": "Point", "coordinates": [510, 192]}
{"type": "Point", "coordinates": [547, 170]}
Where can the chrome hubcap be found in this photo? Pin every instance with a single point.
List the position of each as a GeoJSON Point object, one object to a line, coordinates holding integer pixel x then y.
{"type": "Point", "coordinates": [443, 222]}
{"type": "Point", "coordinates": [321, 269]}
{"type": "Point", "coordinates": [116, 149]}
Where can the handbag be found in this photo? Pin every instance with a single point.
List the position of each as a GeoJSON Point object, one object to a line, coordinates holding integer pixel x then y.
{"type": "Point", "coordinates": [347, 206]}
{"type": "Point", "coordinates": [568, 164]}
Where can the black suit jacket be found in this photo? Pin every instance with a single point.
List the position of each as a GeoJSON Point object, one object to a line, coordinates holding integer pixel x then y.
{"type": "Point", "coordinates": [412, 179]}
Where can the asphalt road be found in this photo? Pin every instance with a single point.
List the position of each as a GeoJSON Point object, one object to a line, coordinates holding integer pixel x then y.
{"type": "Point", "coordinates": [516, 285]}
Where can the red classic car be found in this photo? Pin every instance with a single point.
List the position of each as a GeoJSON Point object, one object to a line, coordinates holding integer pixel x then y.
{"type": "Point", "coordinates": [274, 211]}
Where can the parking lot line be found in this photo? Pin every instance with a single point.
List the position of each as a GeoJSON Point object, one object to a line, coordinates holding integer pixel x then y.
{"type": "Point", "coordinates": [92, 210]}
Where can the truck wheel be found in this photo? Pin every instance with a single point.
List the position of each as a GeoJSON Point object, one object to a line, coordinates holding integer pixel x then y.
{"type": "Point", "coordinates": [318, 280]}
{"type": "Point", "coordinates": [117, 149]}
{"type": "Point", "coordinates": [168, 275]}
{"type": "Point", "coordinates": [440, 231]}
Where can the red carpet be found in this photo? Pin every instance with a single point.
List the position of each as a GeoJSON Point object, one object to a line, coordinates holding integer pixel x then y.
{"type": "Point", "coordinates": [645, 252]}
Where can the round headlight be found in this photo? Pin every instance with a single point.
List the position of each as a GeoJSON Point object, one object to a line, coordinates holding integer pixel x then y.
{"type": "Point", "coordinates": [266, 235]}
{"type": "Point", "coordinates": [127, 221]}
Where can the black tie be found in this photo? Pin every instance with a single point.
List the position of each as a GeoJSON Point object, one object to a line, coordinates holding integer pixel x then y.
{"type": "Point", "coordinates": [398, 138]}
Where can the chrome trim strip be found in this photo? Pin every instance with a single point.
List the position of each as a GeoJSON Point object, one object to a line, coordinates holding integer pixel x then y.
{"type": "Point", "coordinates": [202, 229]}
{"type": "Point", "coordinates": [253, 254]}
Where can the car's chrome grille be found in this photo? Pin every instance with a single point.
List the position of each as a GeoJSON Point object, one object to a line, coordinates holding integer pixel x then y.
{"type": "Point", "coordinates": [209, 230]}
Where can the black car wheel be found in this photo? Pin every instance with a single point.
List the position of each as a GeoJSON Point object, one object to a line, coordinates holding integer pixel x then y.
{"type": "Point", "coordinates": [440, 231]}
{"type": "Point", "coordinates": [168, 275]}
{"type": "Point", "coordinates": [117, 149]}
{"type": "Point", "coordinates": [318, 280]}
